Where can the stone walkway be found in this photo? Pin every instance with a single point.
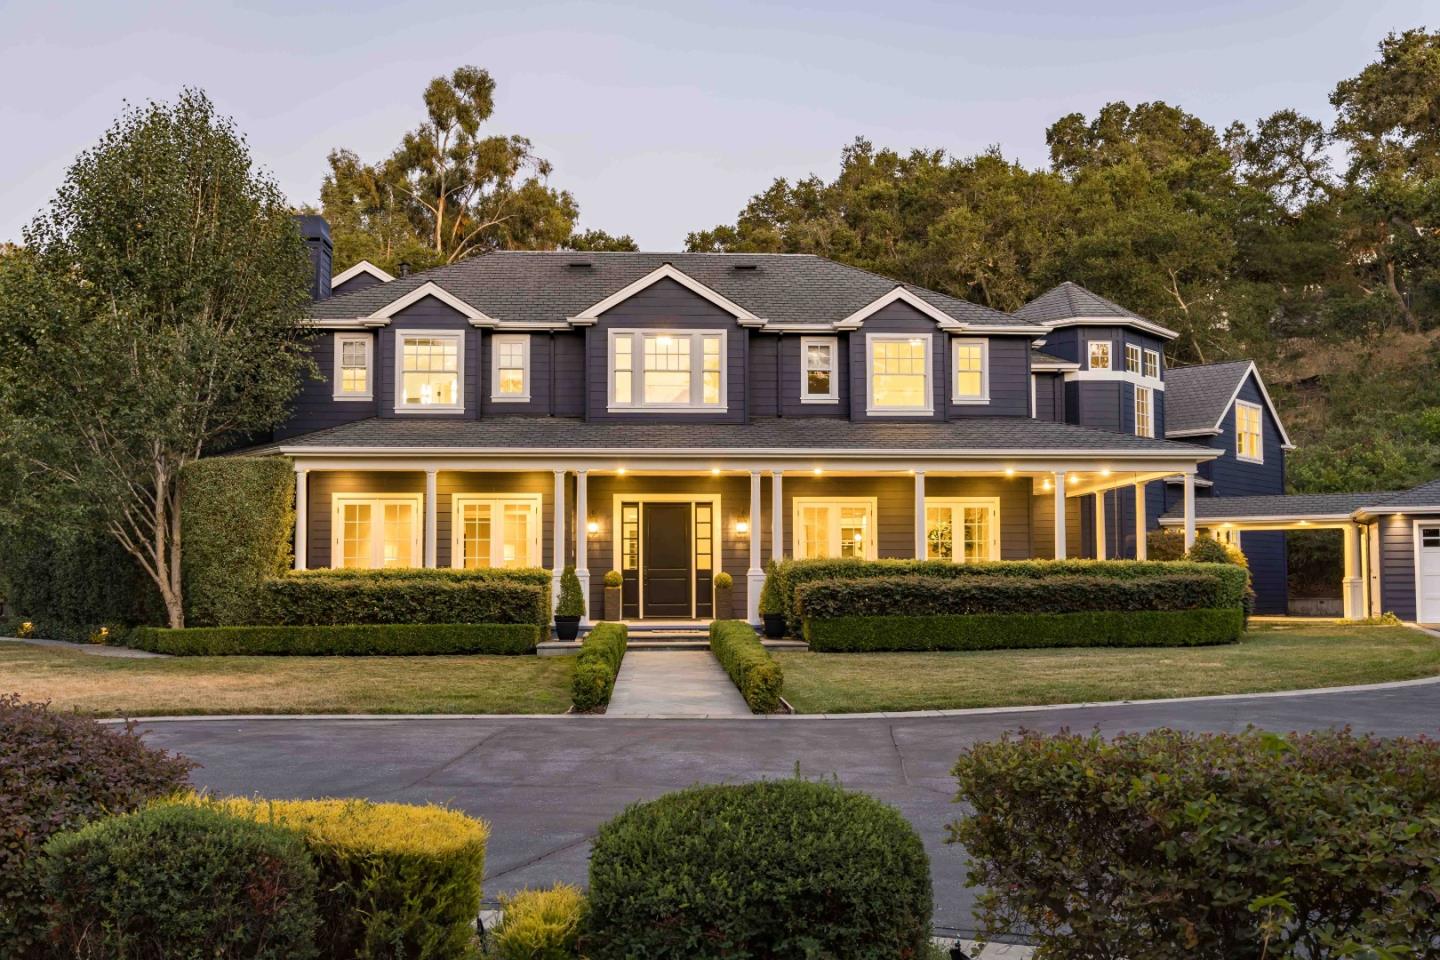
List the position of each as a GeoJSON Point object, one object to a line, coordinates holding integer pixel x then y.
{"type": "Point", "coordinates": [93, 649]}
{"type": "Point", "coordinates": [674, 683]}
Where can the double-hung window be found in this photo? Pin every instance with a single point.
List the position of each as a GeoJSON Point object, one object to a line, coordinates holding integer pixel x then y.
{"type": "Point", "coordinates": [667, 370]}
{"type": "Point", "coordinates": [899, 373]}
{"type": "Point", "coordinates": [834, 527]}
{"type": "Point", "coordinates": [353, 354]}
{"type": "Point", "coordinates": [371, 531]}
{"type": "Point", "coordinates": [510, 367]}
{"type": "Point", "coordinates": [1132, 358]}
{"type": "Point", "coordinates": [1144, 412]}
{"type": "Point", "coordinates": [1099, 354]}
{"type": "Point", "coordinates": [429, 377]}
{"type": "Point", "coordinates": [962, 531]}
{"type": "Point", "coordinates": [972, 371]}
{"type": "Point", "coordinates": [819, 380]}
{"type": "Point", "coordinates": [1152, 364]}
{"type": "Point", "coordinates": [1249, 441]}
{"type": "Point", "coordinates": [489, 530]}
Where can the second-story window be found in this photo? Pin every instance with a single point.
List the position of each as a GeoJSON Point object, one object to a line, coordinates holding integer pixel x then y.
{"type": "Point", "coordinates": [429, 379]}
{"type": "Point", "coordinates": [1249, 442]}
{"type": "Point", "coordinates": [1152, 363]}
{"type": "Point", "coordinates": [817, 375]}
{"type": "Point", "coordinates": [1099, 354]}
{"type": "Point", "coordinates": [667, 370]}
{"type": "Point", "coordinates": [899, 374]}
{"type": "Point", "coordinates": [972, 371]}
{"type": "Point", "coordinates": [510, 363]}
{"type": "Point", "coordinates": [1132, 358]}
{"type": "Point", "coordinates": [352, 366]}
{"type": "Point", "coordinates": [1144, 412]}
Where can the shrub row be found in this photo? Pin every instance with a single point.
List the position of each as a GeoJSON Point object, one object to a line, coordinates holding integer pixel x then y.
{"type": "Point", "coordinates": [597, 665]}
{"type": "Point", "coordinates": [421, 597]}
{"type": "Point", "coordinates": [395, 640]}
{"type": "Point", "coordinates": [1016, 631]}
{"type": "Point", "coordinates": [535, 576]}
{"type": "Point", "coordinates": [749, 664]}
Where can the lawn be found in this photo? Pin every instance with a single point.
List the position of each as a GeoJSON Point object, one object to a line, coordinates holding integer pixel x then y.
{"type": "Point", "coordinates": [1286, 656]}
{"type": "Point", "coordinates": [185, 685]}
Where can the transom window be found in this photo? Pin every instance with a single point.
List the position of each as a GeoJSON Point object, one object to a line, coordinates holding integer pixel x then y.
{"type": "Point", "coordinates": [1099, 354]}
{"type": "Point", "coordinates": [1144, 412]}
{"type": "Point", "coordinates": [429, 377]}
{"type": "Point", "coordinates": [1152, 363]}
{"type": "Point", "coordinates": [1132, 358]}
{"type": "Point", "coordinates": [510, 367]}
{"type": "Point", "coordinates": [371, 531]}
{"type": "Point", "coordinates": [972, 371]}
{"type": "Point", "coordinates": [962, 531]}
{"type": "Point", "coordinates": [834, 527]}
{"type": "Point", "coordinates": [667, 370]}
{"type": "Point", "coordinates": [1249, 442]}
{"type": "Point", "coordinates": [818, 380]}
{"type": "Point", "coordinates": [899, 373]}
{"type": "Point", "coordinates": [1429, 537]}
{"type": "Point", "coordinates": [487, 530]}
{"type": "Point", "coordinates": [352, 366]}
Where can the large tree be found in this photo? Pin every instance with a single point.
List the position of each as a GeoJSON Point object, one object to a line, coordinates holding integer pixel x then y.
{"type": "Point", "coordinates": [153, 315]}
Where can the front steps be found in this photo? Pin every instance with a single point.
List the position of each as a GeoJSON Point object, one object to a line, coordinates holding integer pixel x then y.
{"type": "Point", "coordinates": [659, 636]}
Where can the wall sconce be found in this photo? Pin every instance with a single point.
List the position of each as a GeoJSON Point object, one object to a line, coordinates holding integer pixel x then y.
{"type": "Point", "coordinates": [592, 528]}
{"type": "Point", "coordinates": [742, 527]}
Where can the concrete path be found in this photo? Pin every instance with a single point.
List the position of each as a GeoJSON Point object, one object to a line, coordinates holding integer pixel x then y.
{"type": "Point", "coordinates": [674, 683]}
{"type": "Point", "coordinates": [92, 649]}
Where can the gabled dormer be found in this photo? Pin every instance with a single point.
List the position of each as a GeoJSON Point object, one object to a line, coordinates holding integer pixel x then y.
{"type": "Point", "coordinates": [1226, 407]}
{"type": "Point", "coordinates": [361, 276]}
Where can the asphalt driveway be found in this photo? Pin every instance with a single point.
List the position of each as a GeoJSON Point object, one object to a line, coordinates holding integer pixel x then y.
{"type": "Point", "coordinates": [546, 784]}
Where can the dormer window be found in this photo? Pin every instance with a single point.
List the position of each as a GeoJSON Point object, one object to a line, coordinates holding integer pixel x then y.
{"type": "Point", "coordinates": [899, 374]}
{"type": "Point", "coordinates": [1099, 354]}
{"type": "Point", "coordinates": [428, 371]}
{"type": "Point", "coordinates": [818, 383]}
{"type": "Point", "coordinates": [352, 366]}
{"type": "Point", "coordinates": [667, 370]}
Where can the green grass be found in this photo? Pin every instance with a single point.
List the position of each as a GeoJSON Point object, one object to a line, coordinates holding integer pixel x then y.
{"type": "Point", "coordinates": [196, 685]}
{"type": "Point", "coordinates": [1283, 656]}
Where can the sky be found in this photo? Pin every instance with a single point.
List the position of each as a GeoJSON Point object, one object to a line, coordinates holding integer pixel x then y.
{"type": "Point", "coordinates": [660, 118]}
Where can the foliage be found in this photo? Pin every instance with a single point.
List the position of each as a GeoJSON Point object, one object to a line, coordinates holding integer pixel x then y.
{"type": "Point", "coordinates": [420, 597]}
{"type": "Point", "coordinates": [571, 602]}
{"type": "Point", "coordinates": [723, 581]}
{"type": "Point", "coordinates": [155, 316]}
{"type": "Point", "coordinates": [56, 772]}
{"type": "Point", "coordinates": [770, 869]}
{"type": "Point", "coordinates": [1018, 631]}
{"type": "Point", "coordinates": [597, 665]}
{"type": "Point", "coordinates": [540, 925]}
{"type": "Point", "coordinates": [599, 240]}
{"type": "Point", "coordinates": [771, 599]}
{"type": "Point", "coordinates": [1170, 844]}
{"type": "Point", "coordinates": [749, 664]}
{"type": "Point", "coordinates": [175, 881]}
{"type": "Point", "coordinates": [236, 517]}
{"type": "Point", "coordinates": [396, 880]}
{"type": "Point", "coordinates": [1165, 544]}
{"type": "Point", "coordinates": [360, 640]}
{"type": "Point", "coordinates": [614, 578]}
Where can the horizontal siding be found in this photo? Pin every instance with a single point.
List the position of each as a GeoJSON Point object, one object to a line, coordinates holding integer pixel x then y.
{"type": "Point", "coordinates": [1397, 566]}
{"type": "Point", "coordinates": [1269, 570]}
{"type": "Point", "coordinates": [541, 346]}
{"type": "Point", "coordinates": [790, 378]}
{"type": "Point", "coordinates": [570, 374]}
{"type": "Point", "coordinates": [1236, 478]}
{"type": "Point", "coordinates": [1009, 380]}
{"type": "Point", "coordinates": [315, 406]}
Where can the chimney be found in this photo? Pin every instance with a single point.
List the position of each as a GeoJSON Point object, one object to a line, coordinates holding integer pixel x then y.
{"type": "Point", "coordinates": [317, 240]}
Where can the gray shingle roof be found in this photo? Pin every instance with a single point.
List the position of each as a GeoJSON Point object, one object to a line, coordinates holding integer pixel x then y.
{"type": "Point", "coordinates": [1296, 506]}
{"type": "Point", "coordinates": [1425, 495]}
{"type": "Point", "coordinates": [1196, 397]}
{"type": "Point", "coordinates": [1069, 301]}
{"type": "Point", "coordinates": [541, 286]}
{"type": "Point", "coordinates": [1040, 356]}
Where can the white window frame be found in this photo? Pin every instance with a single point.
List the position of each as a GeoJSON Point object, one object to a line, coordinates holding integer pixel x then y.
{"type": "Point", "coordinates": [496, 342]}
{"type": "Point", "coordinates": [697, 368]}
{"type": "Point", "coordinates": [871, 505]}
{"type": "Point", "coordinates": [1152, 364]}
{"type": "Point", "coordinates": [1259, 432]}
{"type": "Point", "coordinates": [534, 548]}
{"type": "Point", "coordinates": [400, 405]}
{"type": "Point", "coordinates": [1149, 396]}
{"type": "Point", "coordinates": [926, 341]}
{"type": "Point", "coordinates": [833, 343]}
{"type": "Point", "coordinates": [1091, 346]}
{"type": "Point", "coordinates": [340, 393]}
{"type": "Point", "coordinates": [377, 527]}
{"type": "Point", "coordinates": [1133, 352]}
{"type": "Point", "coordinates": [957, 545]}
{"type": "Point", "coordinates": [984, 395]}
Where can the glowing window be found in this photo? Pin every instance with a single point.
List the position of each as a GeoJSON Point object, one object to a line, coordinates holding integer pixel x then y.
{"type": "Point", "coordinates": [899, 373]}
{"type": "Point", "coordinates": [429, 372]}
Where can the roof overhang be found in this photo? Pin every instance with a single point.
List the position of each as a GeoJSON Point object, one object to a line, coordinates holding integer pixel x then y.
{"type": "Point", "coordinates": [1217, 428]}
{"type": "Point", "coordinates": [666, 271]}
{"type": "Point", "coordinates": [1045, 366]}
{"type": "Point", "coordinates": [364, 266]}
{"type": "Point", "coordinates": [1403, 510]}
{"type": "Point", "coordinates": [383, 316]}
{"type": "Point", "coordinates": [1140, 323]}
{"type": "Point", "coordinates": [946, 322]}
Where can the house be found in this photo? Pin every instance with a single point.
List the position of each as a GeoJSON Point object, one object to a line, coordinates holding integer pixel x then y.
{"type": "Point", "coordinates": [674, 415]}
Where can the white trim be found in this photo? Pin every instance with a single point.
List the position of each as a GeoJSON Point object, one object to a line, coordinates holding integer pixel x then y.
{"type": "Point", "coordinates": [430, 288]}
{"type": "Point", "coordinates": [535, 556]}
{"type": "Point", "coordinates": [834, 344]}
{"type": "Point", "coordinates": [495, 342]}
{"type": "Point", "coordinates": [338, 345]}
{"type": "Point", "coordinates": [1259, 431]}
{"type": "Point", "coordinates": [984, 396]}
{"type": "Point", "coordinates": [1052, 366]}
{"type": "Point", "coordinates": [637, 403]}
{"type": "Point", "coordinates": [902, 295]}
{"type": "Point", "coordinates": [1125, 348]}
{"type": "Point", "coordinates": [717, 540]}
{"type": "Point", "coordinates": [1149, 395]}
{"type": "Point", "coordinates": [1314, 520]}
{"type": "Point", "coordinates": [377, 526]}
{"type": "Point", "coordinates": [1145, 363]}
{"type": "Point", "coordinates": [1121, 376]}
{"type": "Point", "coordinates": [927, 341]}
{"type": "Point", "coordinates": [364, 266]}
{"type": "Point", "coordinates": [1033, 403]}
{"type": "Point", "coordinates": [1416, 526]}
{"type": "Point", "coordinates": [872, 523]}
{"type": "Point", "coordinates": [1139, 323]}
{"type": "Point", "coordinates": [1251, 371]}
{"type": "Point", "coordinates": [399, 405]}
{"type": "Point", "coordinates": [666, 272]}
{"type": "Point", "coordinates": [957, 546]}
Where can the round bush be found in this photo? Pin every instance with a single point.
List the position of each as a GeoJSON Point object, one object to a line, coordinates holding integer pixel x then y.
{"type": "Point", "coordinates": [540, 925]}
{"type": "Point", "coordinates": [772, 869]}
{"type": "Point", "coordinates": [181, 882]}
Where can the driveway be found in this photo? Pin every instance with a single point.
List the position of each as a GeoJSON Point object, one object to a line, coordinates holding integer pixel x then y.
{"type": "Point", "coordinates": [546, 784]}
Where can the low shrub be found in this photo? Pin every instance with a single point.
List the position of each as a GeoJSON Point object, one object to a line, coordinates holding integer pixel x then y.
{"type": "Point", "coordinates": [1176, 845]}
{"type": "Point", "coordinates": [597, 665]}
{"type": "Point", "coordinates": [56, 772]}
{"type": "Point", "coordinates": [388, 640]}
{"type": "Point", "coordinates": [1166, 544]}
{"type": "Point", "coordinates": [175, 881]}
{"type": "Point", "coordinates": [770, 869]}
{"type": "Point", "coordinates": [1020, 631]}
{"type": "Point", "coordinates": [749, 664]}
{"type": "Point", "coordinates": [395, 880]}
{"type": "Point", "coordinates": [331, 600]}
{"type": "Point", "coordinates": [540, 925]}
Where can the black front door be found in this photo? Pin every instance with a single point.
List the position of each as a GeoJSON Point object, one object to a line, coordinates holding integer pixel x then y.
{"type": "Point", "coordinates": [666, 559]}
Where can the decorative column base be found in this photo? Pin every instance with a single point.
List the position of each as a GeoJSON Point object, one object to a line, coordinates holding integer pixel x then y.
{"type": "Point", "coordinates": [1352, 590]}
{"type": "Point", "coordinates": [754, 583]}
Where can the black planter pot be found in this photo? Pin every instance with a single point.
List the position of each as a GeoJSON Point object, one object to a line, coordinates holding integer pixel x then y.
{"type": "Point", "coordinates": [567, 628]}
{"type": "Point", "coordinates": [774, 625]}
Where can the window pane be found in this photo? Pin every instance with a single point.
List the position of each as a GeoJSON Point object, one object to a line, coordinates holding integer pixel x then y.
{"type": "Point", "coordinates": [898, 373]}
{"type": "Point", "coordinates": [817, 383]}
{"type": "Point", "coordinates": [817, 356]}
{"type": "Point", "coordinates": [510, 367]}
{"type": "Point", "coordinates": [515, 547]}
{"type": "Point", "coordinates": [1132, 359]}
{"type": "Point", "coordinates": [815, 532]}
{"type": "Point", "coordinates": [354, 368]}
{"type": "Point", "coordinates": [976, 542]}
{"type": "Point", "coordinates": [667, 369]}
{"type": "Point", "coordinates": [430, 371]}
{"type": "Point", "coordinates": [355, 535]}
{"type": "Point", "coordinates": [623, 377]}
{"type": "Point", "coordinates": [1144, 420]}
{"type": "Point", "coordinates": [1099, 355]}
{"type": "Point", "coordinates": [424, 389]}
{"type": "Point", "coordinates": [476, 536]}
{"type": "Point", "coordinates": [853, 531]}
{"type": "Point", "coordinates": [399, 537]}
{"type": "Point", "coordinates": [969, 370]}
{"type": "Point", "coordinates": [939, 534]}
{"type": "Point", "coordinates": [1152, 363]}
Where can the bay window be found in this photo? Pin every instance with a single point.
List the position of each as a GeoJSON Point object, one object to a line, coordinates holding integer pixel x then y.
{"type": "Point", "coordinates": [818, 376]}
{"type": "Point", "coordinates": [488, 530]}
{"type": "Point", "coordinates": [510, 367]}
{"type": "Point", "coordinates": [352, 366]}
{"type": "Point", "coordinates": [834, 527]}
{"type": "Point", "coordinates": [962, 531]}
{"type": "Point", "coordinates": [1249, 441]}
{"type": "Point", "coordinates": [899, 373]}
{"type": "Point", "coordinates": [972, 371]}
{"type": "Point", "coordinates": [428, 371]}
{"type": "Point", "coordinates": [372, 531]}
{"type": "Point", "coordinates": [667, 370]}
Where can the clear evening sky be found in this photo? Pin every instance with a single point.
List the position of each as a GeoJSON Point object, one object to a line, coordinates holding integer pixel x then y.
{"type": "Point", "coordinates": [661, 117]}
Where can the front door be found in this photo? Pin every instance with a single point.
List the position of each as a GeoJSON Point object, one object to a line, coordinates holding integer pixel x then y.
{"type": "Point", "coordinates": [1427, 598]}
{"type": "Point", "coordinates": [666, 558]}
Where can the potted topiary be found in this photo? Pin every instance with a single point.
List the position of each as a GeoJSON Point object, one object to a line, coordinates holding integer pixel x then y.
{"type": "Point", "coordinates": [772, 613]}
{"type": "Point", "coordinates": [724, 596]}
{"type": "Point", "coordinates": [570, 607]}
{"type": "Point", "coordinates": [613, 582]}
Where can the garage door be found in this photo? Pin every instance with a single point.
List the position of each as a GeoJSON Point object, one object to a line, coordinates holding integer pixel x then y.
{"type": "Point", "coordinates": [1429, 575]}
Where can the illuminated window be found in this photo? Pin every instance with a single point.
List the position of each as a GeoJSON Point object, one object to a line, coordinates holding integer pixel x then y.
{"type": "Point", "coordinates": [429, 377]}
{"type": "Point", "coordinates": [1099, 354]}
{"type": "Point", "coordinates": [667, 370]}
{"type": "Point", "coordinates": [818, 378]}
{"type": "Point", "coordinates": [962, 531]}
{"type": "Point", "coordinates": [899, 374]}
{"type": "Point", "coordinates": [1249, 442]}
{"type": "Point", "coordinates": [1144, 412]}
{"type": "Point", "coordinates": [493, 531]}
{"type": "Point", "coordinates": [972, 373]}
{"type": "Point", "coordinates": [1152, 363]}
{"type": "Point", "coordinates": [1132, 358]}
{"type": "Point", "coordinates": [839, 527]}
{"type": "Point", "coordinates": [510, 367]}
{"type": "Point", "coordinates": [352, 366]}
{"type": "Point", "coordinates": [376, 530]}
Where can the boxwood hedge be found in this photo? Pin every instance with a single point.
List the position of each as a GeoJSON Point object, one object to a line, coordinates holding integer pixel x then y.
{"type": "Point", "coordinates": [402, 597]}
{"type": "Point", "coordinates": [397, 640]}
{"type": "Point", "coordinates": [752, 669]}
{"type": "Point", "coordinates": [1018, 631]}
{"type": "Point", "coordinates": [598, 664]}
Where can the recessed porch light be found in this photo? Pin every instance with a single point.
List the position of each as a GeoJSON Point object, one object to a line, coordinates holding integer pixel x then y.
{"type": "Point", "coordinates": [1105, 472]}
{"type": "Point", "coordinates": [1072, 479]}
{"type": "Point", "coordinates": [620, 472]}
{"type": "Point", "coordinates": [817, 471]}
{"type": "Point", "coordinates": [1009, 471]}
{"type": "Point", "coordinates": [714, 471]}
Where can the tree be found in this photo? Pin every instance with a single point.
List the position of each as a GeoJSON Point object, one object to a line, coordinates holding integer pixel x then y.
{"type": "Point", "coordinates": [154, 316]}
{"type": "Point", "coordinates": [600, 240]}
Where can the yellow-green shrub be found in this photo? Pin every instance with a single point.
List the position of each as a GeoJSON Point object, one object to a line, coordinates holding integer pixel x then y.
{"type": "Point", "coordinates": [540, 925]}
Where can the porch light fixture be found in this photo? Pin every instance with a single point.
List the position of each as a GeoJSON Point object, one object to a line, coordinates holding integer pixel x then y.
{"type": "Point", "coordinates": [742, 527]}
{"type": "Point", "coordinates": [620, 472]}
{"type": "Point", "coordinates": [1105, 472]}
{"type": "Point", "coordinates": [817, 471]}
{"type": "Point", "coordinates": [1009, 471]}
{"type": "Point", "coordinates": [714, 471]}
{"type": "Point", "coordinates": [592, 528]}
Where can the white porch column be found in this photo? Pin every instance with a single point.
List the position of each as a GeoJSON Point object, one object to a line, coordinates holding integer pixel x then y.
{"type": "Point", "coordinates": [919, 514]}
{"type": "Point", "coordinates": [1059, 481]}
{"type": "Point", "coordinates": [1353, 590]}
{"type": "Point", "coordinates": [302, 517]}
{"type": "Point", "coordinates": [1189, 510]}
{"type": "Point", "coordinates": [432, 526]}
{"type": "Point", "coordinates": [755, 576]}
{"type": "Point", "coordinates": [1100, 525]}
{"type": "Point", "coordinates": [1140, 527]}
{"type": "Point", "coordinates": [582, 541]}
{"type": "Point", "coordinates": [557, 535]}
{"type": "Point", "coordinates": [777, 515]}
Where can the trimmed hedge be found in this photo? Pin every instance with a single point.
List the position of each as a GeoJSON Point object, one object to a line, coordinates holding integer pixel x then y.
{"type": "Point", "coordinates": [1020, 631]}
{"type": "Point", "coordinates": [540, 925]}
{"type": "Point", "coordinates": [533, 575]}
{"type": "Point", "coordinates": [384, 640]}
{"type": "Point", "coordinates": [421, 597]}
{"type": "Point", "coordinates": [181, 882]}
{"type": "Point", "coordinates": [749, 664]}
{"type": "Point", "coordinates": [597, 665]}
{"type": "Point", "coordinates": [396, 880]}
{"type": "Point", "coordinates": [770, 869]}
{"type": "Point", "coordinates": [1172, 845]}
{"type": "Point", "coordinates": [237, 515]}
